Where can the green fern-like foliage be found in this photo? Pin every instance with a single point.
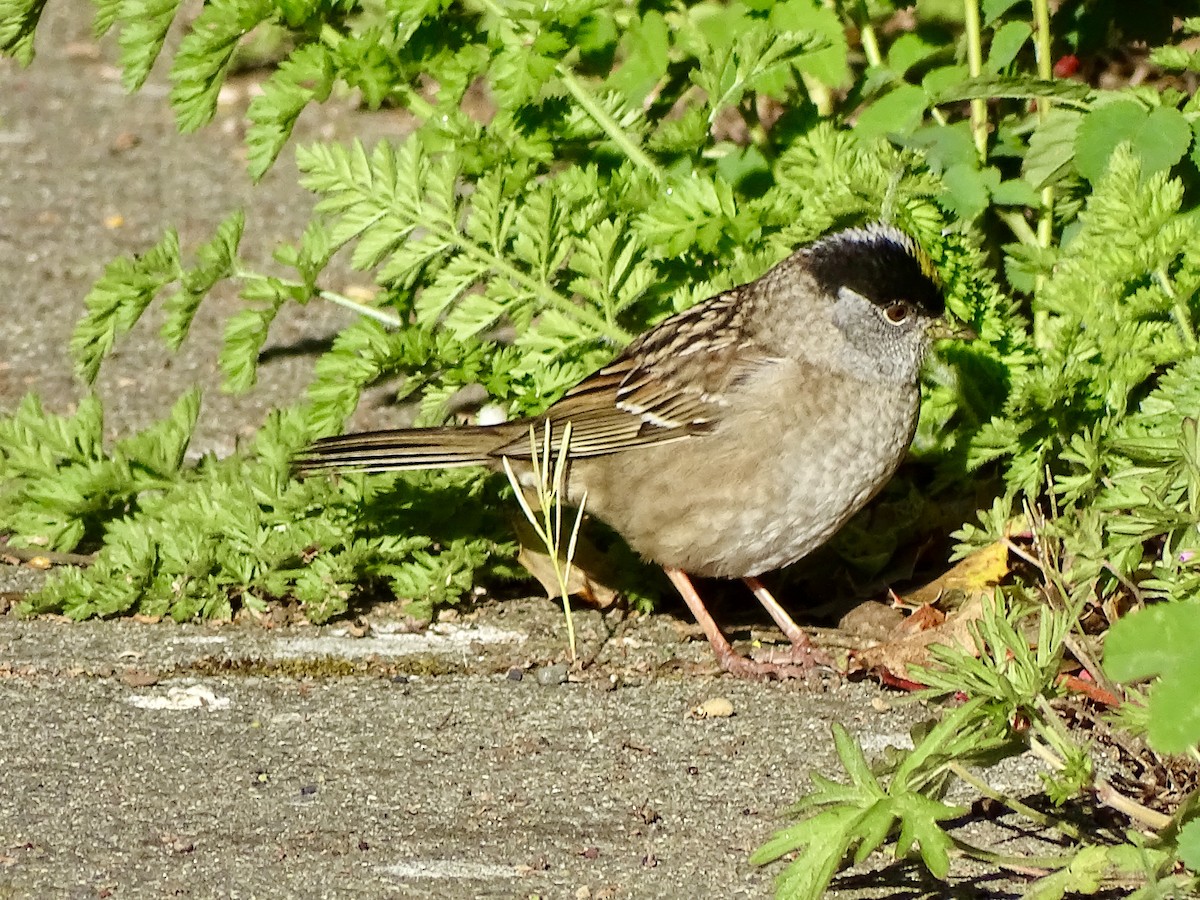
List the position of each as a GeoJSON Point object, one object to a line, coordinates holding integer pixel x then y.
{"type": "Point", "coordinates": [624, 171]}
{"type": "Point", "coordinates": [575, 172]}
{"type": "Point", "coordinates": [205, 540]}
{"type": "Point", "coordinates": [1112, 313]}
{"type": "Point", "coordinates": [599, 195]}
{"type": "Point", "coordinates": [1103, 407]}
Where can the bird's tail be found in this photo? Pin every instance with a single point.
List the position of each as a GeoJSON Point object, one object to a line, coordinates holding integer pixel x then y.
{"type": "Point", "coordinates": [409, 448]}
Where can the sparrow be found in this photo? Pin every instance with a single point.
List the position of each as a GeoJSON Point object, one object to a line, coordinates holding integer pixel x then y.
{"type": "Point", "coordinates": [737, 436]}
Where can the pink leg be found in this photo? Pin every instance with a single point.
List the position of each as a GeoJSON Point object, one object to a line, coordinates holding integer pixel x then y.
{"type": "Point", "coordinates": [728, 658]}
{"type": "Point", "coordinates": [802, 648]}
{"type": "Point", "coordinates": [790, 629]}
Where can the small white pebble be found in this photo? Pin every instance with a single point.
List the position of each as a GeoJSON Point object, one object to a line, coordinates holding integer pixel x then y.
{"type": "Point", "coordinates": [712, 708]}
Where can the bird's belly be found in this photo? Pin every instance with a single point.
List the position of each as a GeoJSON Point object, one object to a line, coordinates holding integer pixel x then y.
{"type": "Point", "coordinates": [726, 512]}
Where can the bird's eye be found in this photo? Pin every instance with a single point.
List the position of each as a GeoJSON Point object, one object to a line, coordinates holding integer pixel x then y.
{"type": "Point", "coordinates": [897, 313]}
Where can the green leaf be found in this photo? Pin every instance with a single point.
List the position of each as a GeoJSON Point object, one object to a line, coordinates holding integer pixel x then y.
{"type": "Point", "coordinates": [646, 43]}
{"type": "Point", "coordinates": [1083, 875]}
{"type": "Point", "coordinates": [1013, 87]}
{"type": "Point", "coordinates": [908, 50]}
{"type": "Point", "coordinates": [1007, 42]}
{"type": "Point", "coordinates": [1189, 845]}
{"type": "Point", "coordinates": [216, 261]}
{"type": "Point", "coordinates": [521, 70]}
{"type": "Point", "coordinates": [144, 26]}
{"type": "Point", "coordinates": [969, 189]}
{"type": "Point", "coordinates": [1051, 147]}
{"type": "Point", "coordinates": [694, 211]}
{"type": "Point", "coordinates": [203, 58]}
{"type": "Point", "coordinates": [245, 333]}
{"type": "Point", "coordinates": [945, 145]}
{"type": "Point", "coordinates": [118, 299]}
{"type": "Point", "coordinates": [162, 447]}
{"type": "Point", "coordinates": [853, 760]}
{"type": "Point", "coordinates": [1015, 192]}
{"type": "Point", "coordinates": [1161, 641]}
{"type": "Point", "coordinates": [32, 440]}
{"type": "Point", "coordinates": [994, 9]}
{"type": "Point", "coordinates": [18, 22]}
{"type": "Point", "coordinates": [1159, 137]}
{"type": "Point", "coordinates": [919, 817]}
{"type": "Point", "coordinates": [830, 64]}
{"type": "Point", "coordinates": [307, 75]}
{"type": "Point", "coordinates": [106, 14]}
{"type": "Point", "coordinates": [873, 828]}
{"type": "Point", "coordinates": [943, 78]}
{"type": "Point", "coordinates": [897, 112]}
{"type": "Point", "coordinates": [758, 59]}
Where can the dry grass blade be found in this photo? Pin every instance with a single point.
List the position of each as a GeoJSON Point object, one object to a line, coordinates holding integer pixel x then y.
{"type": "Point", "coordinates": [549, 486]}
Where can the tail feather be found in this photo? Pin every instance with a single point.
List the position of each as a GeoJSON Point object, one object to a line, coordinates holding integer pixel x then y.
{"type": "Point", "coordinates": [406, 449]}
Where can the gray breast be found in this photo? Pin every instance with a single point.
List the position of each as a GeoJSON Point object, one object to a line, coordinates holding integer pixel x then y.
{"type": "Point", "coordinates": [772, 483]}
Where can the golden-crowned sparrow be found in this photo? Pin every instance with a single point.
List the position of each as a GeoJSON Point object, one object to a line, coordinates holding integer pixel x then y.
{"type": "Point", "coordinates": [734, 437]}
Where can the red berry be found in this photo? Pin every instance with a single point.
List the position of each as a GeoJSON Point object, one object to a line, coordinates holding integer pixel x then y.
{"type": "Point", "coordinates": [1066, 66]}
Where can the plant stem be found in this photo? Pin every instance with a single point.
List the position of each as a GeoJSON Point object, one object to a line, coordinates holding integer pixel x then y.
{"type": "Point", "coordinates": [549, 482]}
{"type": "Point", "coordinates": [553, 507]}
{"type": "Point", "coordinates": [607, 123]}
{"type": "Point", "coordinates": [979, 123]}
{"type": "Point", "coordinates": [1015, 805]}
{"type": "Point", "coordinates": [600, 324]}
{"type": "Point", "coordinates": [1041, 44]}
{"type": "Point", "coordinates": [1179, 310]}
{"type": "Point", "coordinates": [1018, 226]}
{"type": "Point", "coordinates": [1114, 799]}
{"type": "Point", "coordinates": [821, 96]}
{"type": "Point", "coordinates": [1029, 865]}
{"type": "Point", "coordinates": [870, 43]}
{"type": "Point", "coordinates": [362, 309]}
{"type": "Point", "coordinates": [371, 312]}
{"type": "Point", "coordinates": [415, 103]}
{"type": "Point", "coordinates": [583, 97]}
{"type": "Point", "coordinates": [1107, 794]}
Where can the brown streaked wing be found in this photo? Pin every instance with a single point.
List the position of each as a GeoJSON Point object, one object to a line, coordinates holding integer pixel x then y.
{"type": "Point", "coordinates": [668, 385]}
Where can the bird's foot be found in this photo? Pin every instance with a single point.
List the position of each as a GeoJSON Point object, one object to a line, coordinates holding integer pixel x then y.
{"type": "Point", "coordinates": [796, 662]}
{"type": "Point", "coordinates": [802, 659]}
{"type": "Point", "coordinates": [802, 655]}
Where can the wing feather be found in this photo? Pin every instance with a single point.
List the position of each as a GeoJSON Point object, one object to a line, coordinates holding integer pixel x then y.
{"type": "Point", "coordinates": [669, 385]}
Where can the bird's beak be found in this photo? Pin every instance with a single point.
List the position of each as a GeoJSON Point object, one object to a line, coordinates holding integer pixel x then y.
{"type": "Point", "coordinates": [945, 330]}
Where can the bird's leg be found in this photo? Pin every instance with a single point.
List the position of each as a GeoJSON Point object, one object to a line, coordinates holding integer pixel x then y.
{"type": "Point", "coordinates": [803, 651]}
{"type": "Point", "coordinates": [730, 660]}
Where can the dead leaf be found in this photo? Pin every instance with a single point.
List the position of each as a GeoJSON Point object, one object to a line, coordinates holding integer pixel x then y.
{"type": "Point", "coordinates": [124, 142]}
{"type": "Point", "coordinates": [871, 621]}
{"type": "Point", "coordinates": [922, 619]}
{"type": "Point", "coordinates": [965, 580]}
{"type": "Point", "coordinates": [364, 293]}
{"type": "Point", "coordinates": [912, 648]}
{"type": "Point", "coordinates": [588, 568]}
{"type": "Point", "coordinates": [84, 50]}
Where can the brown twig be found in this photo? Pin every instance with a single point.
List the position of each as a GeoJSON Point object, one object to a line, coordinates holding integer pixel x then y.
{"type": "Point", "coordinates": [54, 557]}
